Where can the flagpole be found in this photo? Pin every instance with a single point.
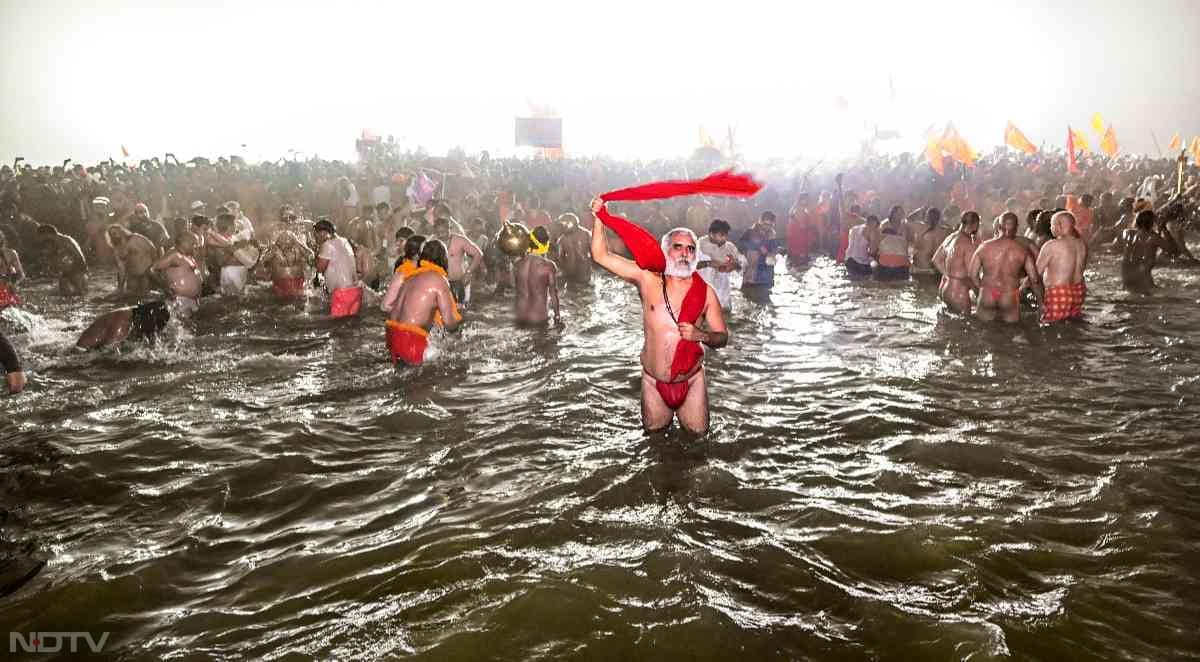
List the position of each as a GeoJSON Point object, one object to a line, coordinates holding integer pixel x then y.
{"type": "Point", "coordinates": [1156, 145]}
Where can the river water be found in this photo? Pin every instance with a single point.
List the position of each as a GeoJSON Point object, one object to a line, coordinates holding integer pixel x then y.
{"type": "Point", "coordinates": [882, 482]}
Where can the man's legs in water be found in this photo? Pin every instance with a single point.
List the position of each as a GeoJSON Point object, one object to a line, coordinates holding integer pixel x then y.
{"type": "Point", "coordinates": [693, 413]}
{"type": "Point", "coordinates": [656, 415]}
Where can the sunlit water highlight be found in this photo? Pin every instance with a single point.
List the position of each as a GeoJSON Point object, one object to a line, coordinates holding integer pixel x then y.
{"type": "Point", "coordinates": [883, 482]}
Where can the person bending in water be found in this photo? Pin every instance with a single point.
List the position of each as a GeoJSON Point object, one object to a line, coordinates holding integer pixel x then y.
{"type": "Point", "coordinates": [14, 375]}
{"type": "Point", "coordinates": [952, 259]}
{"type": "Point", "coordinates": [63, 252]}
{"type": "Point", "coordinates": [1140, 247]}
{"type": "Point", "coordinates": [424, 300]}
{"type": "Point", "coordinates": [137, 323]}
{"type": "Point", "coordinates": [182, 274]}
{"type": "Point", "coordinates": [11, 273]}
{"type": "Point", "coordinates": [286, 259]}
{"type": "Point", "coordinates": [536, 279]}
{"type": "Point", "coordinates": [1060, 265]}
{"type": "Point", "coordinates": [1001, 260]}
{"type": "Point", "coordinates": [668, 299]}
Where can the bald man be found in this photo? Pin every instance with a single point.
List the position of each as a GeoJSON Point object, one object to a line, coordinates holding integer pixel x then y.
{"type": "Point", "coordinates": [1060, 266]}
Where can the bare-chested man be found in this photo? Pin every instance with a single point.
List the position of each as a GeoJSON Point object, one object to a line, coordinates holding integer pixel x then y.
{"type": "Point", "coordinates": [63, 252]}
{"type": "Point", "coordinates": [149, 228]}
{"type": "Point", "coordinates": [286, 259]}
{"type": "Point", "coordinates": [1060, 266]}
{"type": "Point", "coordinates": [459, 248]}
{"type": "Point", "coordinates": [1002, 261]}
{"type": "Point", "coordinates": [142, 322]}
{"type": "Point", "coordinates": [135, 255]}
{"type": "Point", "coordinates": [666, 393]}
{"type": "Point", "coordinates": [1140, 249]}
{"type": "Point", "coordinates": [11, 273]}
{"type": "Point", "coordinates": [927, 238]}
{"type": "Point", "coordinates": [182, 274]}
{"type": "Point", "coordinates": [573, 249]}
{"type": "Point", "coordinates": [536, 279]}
{"type": "Point", "coordinates": [953, 258]}
{"type": "Point", "coordinates": [99, 218]}
{"type": "Point", "coordinates": [424, 300]}
{"type": "Point", "coordinates": [364, 234]}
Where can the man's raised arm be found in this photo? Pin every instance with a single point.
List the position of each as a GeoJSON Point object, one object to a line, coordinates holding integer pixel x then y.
{"type": "Point", "coordinates": [625, 268]}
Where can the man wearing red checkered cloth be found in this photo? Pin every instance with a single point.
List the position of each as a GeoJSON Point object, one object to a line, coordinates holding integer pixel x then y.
{"type": "Point", "coordinates": [1060, 264]}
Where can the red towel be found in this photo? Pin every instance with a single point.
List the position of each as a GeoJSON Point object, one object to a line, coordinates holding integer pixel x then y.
{"type": "Point", "coordinates": [648, 253]}
{"type": "Point", "coordinates": [688, 352]}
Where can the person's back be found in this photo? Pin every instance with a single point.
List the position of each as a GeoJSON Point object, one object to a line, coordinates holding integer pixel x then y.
{"type": "Point", "coordinates": [424, 300]}
{"type": "Point", "coordinates": [574, 249]}
{"type": "Point", "coordinates": [1141, 247]}
{"type": "Point", "coordinates": [536, 283]}
{"type": "Point", "coordinates": [926, 243]}
{"type": "Point", "coordinates": [1060, 265]}
{"type": "Point", "coordinates": [1003, 261]}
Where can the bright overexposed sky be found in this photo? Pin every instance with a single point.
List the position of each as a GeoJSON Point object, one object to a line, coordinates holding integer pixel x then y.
{"type": "Point", "coordinates": [630, 78]}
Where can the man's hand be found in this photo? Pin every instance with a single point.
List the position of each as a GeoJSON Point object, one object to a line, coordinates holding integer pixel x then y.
{"type": "Point", "coordinates": [597, 204]}
{"type": "Point", "coordinates": [16, 382]}
{"type": "Point", "coordinates": [690, 332]}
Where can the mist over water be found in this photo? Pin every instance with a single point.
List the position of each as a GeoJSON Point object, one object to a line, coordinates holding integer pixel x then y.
{"type": "Point", "coordinates": [882, 482]}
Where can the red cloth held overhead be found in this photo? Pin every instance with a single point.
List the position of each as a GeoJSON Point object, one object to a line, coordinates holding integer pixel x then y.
{"type": "Point", "coordinates": [646, 250]}
{"type": "Point", "coordinates": [648, 253]}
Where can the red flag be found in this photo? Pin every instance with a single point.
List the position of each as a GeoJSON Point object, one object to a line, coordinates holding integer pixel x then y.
{"type": "Point", "coordinates": [1072, 166]}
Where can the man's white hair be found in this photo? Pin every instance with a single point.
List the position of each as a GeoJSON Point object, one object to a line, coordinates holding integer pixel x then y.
{"type": "Point", "coordinates": [672, 269]}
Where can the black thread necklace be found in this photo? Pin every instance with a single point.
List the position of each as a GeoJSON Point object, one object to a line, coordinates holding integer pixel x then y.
{"type": "Point", "coordinates": [667, 300]}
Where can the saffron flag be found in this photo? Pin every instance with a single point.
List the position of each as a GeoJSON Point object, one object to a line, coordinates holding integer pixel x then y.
{"type": "Point", "coordinates": [1196, 149]}
{"type": "Point", "coordinates": [1108, 144]}
{"type": "Point", "coordinates": [933, 154]}
{"type": "Point", "coordinates": [1098, 124]}
{"type": "Point", "coordinates": [1072, 166]}
{"type": "Point", "coordinates": [1176, 143]}
{"type": "Point", "coordinates": [1081, 142]}
{"type": "Point", "coordinates": [1017, 140]}
{"type": "Point", "coordinates": [957, 147]}
{"type": "Point", "coordinates": [124, 152]}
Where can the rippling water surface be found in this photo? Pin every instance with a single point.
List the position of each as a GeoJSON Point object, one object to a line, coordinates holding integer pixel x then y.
{"type": "Point", "coordinates": [882, 482]}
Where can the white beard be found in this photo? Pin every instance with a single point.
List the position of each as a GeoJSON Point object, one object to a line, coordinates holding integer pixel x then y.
{"type": "Point", "coordinates": [679, 270]}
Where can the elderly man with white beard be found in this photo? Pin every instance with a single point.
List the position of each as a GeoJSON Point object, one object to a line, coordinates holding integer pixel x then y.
{"type": "Point", "coordinates": [673, 302]}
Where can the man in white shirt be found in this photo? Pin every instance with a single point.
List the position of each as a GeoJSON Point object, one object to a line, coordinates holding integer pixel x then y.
{"type": "Point", "coordinates": [336, 262]}
{"type": "Point", "coordinates": [243, 228]}
{"type": "Point", "coordinates": [718, 259]}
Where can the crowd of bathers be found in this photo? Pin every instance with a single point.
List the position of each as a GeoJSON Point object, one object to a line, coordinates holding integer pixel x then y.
{"type": "Point", "coordinates": [231, 224]}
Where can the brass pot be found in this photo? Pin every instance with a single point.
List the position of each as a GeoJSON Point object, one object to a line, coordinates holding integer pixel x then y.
{"type": "Point", "coordinates": [513, 239]}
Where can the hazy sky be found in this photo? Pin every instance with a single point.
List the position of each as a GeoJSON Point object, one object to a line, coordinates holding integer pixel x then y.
{"type": "Point", "coordinates": [629, 77]}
